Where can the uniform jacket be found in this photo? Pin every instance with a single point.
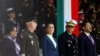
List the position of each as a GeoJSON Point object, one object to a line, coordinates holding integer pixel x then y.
{"type": "Point", "coordinates": [67, 45]}
{"type": "Point", "coordinates": [49, 48]}
{"type": "Point", "coordinates": [29, 43]}
{"type": "Point", "coordinates": [85, 46]}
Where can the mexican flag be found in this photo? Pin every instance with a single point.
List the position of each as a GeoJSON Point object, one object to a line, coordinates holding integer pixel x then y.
{"type": "Point", "coordinates": [71, 12]}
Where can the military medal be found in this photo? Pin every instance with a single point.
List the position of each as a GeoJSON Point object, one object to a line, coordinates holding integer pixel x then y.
{"type": "Point", "coordinates": [30, 36]}
{"type": "Point", "coordinates": [21, 35]}
{"type": "Point", "coordinates": [32, 42]}
{"type": "Point", "coordinates": [69, 41]}
{"type": "Point", "coordinates": [68, 45]}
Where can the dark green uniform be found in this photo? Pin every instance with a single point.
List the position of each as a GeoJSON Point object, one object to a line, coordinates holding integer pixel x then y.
{"type": "Point", "coordinates": [29, 43]}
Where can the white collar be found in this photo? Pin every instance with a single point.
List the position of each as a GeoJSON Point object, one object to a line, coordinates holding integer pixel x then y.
{"type": "Point", "coordinates": [49, 35]}
{"type": "Point", "coordinates": [52, 39]}
{"type": "Point", "coordinates": [69, 33]}
{"type": "Point", "coordinates": [87, 34]}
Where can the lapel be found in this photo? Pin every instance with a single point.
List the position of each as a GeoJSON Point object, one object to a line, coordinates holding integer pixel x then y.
{"type": "Point", "coordinates": [87, 39]}
{"type": "Point", "coordinates": [51, 43]}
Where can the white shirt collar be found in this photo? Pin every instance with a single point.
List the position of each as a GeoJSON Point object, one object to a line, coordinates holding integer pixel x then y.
{"type": "Point", "coordinates": [87, 34]}
{"type": "Point", "coordinates": [49, 35]}
{"type": "Point", "coordinates": [52, 40]}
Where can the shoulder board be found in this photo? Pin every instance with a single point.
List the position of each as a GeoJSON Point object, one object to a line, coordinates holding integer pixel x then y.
{"type": "Point", "coordinates": [23, 30]}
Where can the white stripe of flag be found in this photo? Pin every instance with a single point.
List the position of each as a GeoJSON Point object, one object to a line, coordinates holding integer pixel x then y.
{"type": "Point", "coordinates": [71, 12]}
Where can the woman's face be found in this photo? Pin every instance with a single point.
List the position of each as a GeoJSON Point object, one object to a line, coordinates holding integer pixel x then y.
{"type": "Point", "coordinates": [13, 33]}
{"type": "Point", "coordinates": [50, 29]}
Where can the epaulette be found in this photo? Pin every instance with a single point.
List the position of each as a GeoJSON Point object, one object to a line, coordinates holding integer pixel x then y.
{"type": "Point", "coordinates": [22, 30]}
{"type": "Point", "coordinates": [22, 33]}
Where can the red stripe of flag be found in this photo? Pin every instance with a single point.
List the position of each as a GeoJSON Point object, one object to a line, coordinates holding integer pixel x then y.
{"type": "Point", "coordinates": [74, 6]}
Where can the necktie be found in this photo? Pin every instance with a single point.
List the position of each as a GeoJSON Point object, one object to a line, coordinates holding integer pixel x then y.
{"type": "Point", "coordinates": [92, 41]}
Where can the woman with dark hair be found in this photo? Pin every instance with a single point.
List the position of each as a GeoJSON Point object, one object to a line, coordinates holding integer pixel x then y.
{"type": "Point", "coordinates": [9, 45]}
{"type": "Point", "coordinates": [49, 44]}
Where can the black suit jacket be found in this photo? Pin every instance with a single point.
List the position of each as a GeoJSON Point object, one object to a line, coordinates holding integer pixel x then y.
{"type": "Point", "coordinates": [85, 46]}
{"type": "Point", "coordinates": [7, 48]}
{"type": "Point", "coordinates": [67, 45]}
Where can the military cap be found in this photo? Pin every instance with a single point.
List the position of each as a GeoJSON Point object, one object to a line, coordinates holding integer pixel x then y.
{"type": "Point", "coordinates": [34, 19]}
{"type": "Point", "coordinates": [91, 11]}
{"type": "Point", "coordinates": [71, 23]}
{"type": "Point", "coordinates": [90, 4]}
{"type": "Point", "coordinates": [80, 11]}
{"type": "Point", "coordinates": [9, 10]}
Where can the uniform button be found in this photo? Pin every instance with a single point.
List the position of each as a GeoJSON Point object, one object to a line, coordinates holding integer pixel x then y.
{"type": "Point", "coordinates": [73, 46]}
{"type": "Point", "coordinates": [32, 42]}
{"type": "Point", "coordinates": [74, 51]}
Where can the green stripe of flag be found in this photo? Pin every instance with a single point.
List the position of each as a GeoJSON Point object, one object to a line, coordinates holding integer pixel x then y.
{"type": "Point", "coordinates": [60, 17]}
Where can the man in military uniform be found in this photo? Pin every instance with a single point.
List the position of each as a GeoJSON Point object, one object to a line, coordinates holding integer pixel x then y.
{"type": "Point", "coordinates": [28, 39]}
{"type": "Point", "coordinates": [81, 19]}
{"type": "Point", "coordinates": [93, 18]}
{"type": "Point", "coordinates": [8, 22]}
{"type": "Point", "coordinates": [48, 11]}
{"type": "Point", "coordinates": [67, 42]}
{"type": "Point", "coordinates": [11, 20]}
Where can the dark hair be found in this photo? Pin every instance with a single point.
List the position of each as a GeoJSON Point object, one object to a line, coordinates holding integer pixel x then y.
{"type": "Point", "coordinates": [84, 23]}
{"type": "Point", "coordinates": [9, 28]}
{"type": "Point", "coordinates": [48, 24]}
{"type": "Point", "coordinates": [45, 32]}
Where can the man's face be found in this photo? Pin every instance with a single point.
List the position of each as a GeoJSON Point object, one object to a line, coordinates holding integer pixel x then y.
{"type": "Point", "coordinates": [34, 25]}
{"type": "Point", "coordinates": [50, 29]}
{"type": "Point", "coordinates": [91, 6]}
{"type": "Point", "coordinates": [70, 29]}
{"type": "Point", "coordinates": [12, 15]}
{"type": "Point", "coordinates": [93, 16]}
{"type": "Point", "coordinates": [81, 17]}
{"type": "Point", "coordinates": [87, 27]}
